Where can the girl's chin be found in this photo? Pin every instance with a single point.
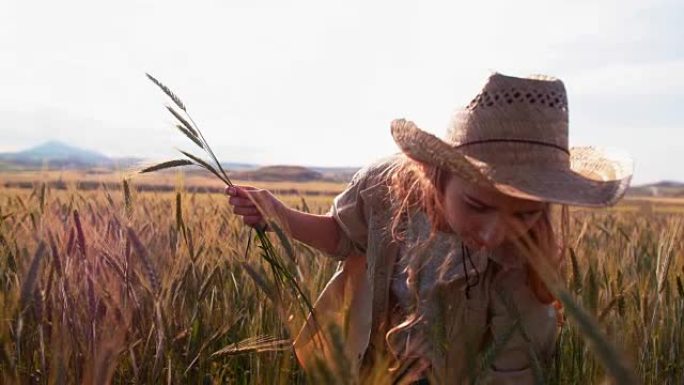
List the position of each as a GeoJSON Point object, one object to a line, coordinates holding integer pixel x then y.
{"type": "Point", "coordinates": [474, 246]}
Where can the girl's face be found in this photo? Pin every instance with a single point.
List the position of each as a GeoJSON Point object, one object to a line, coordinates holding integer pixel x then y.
{"type": "Point", "coordinates": [485, 218]}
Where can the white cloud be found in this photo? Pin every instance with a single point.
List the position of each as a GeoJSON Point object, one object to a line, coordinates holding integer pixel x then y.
{"type": "Point", "coordinates": [318, 82]}
{"type": "Point", "coordinates": [660, 78]}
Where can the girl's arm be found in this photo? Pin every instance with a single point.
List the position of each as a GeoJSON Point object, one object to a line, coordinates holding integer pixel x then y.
{"type": "Point", "coordinates": [253, 204]}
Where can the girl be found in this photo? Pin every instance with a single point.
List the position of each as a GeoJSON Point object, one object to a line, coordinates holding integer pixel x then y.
{"type": "Point", "coordinates": [447, 249]}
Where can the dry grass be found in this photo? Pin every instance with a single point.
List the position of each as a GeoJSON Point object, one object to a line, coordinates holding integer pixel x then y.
{"type": "Point", "coordinates": [163, 292]}
{"type": "Point", "coordinates": [152, 291]}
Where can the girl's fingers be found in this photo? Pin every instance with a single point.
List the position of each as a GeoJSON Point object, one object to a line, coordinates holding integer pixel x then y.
{"type": "Point", "coordinates": [240, 202]}
{"type": "Point", "coordinates": [248, 201]}
{"type": "Point", "coordinates": [246, 210]}
{"type": "Point", "coordinates": [239, 191]}
{"type": "Point", "coordinates": [243, 195]}
{"type": "Point", "coordinates": [252, 220]}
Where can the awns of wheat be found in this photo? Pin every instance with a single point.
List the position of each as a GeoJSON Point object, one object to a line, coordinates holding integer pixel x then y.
{"type": "Point", "coordinates": [185, 124]}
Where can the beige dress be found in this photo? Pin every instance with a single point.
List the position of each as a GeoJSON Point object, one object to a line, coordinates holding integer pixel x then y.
{"type": "Point", "coordinates": [498, 334]}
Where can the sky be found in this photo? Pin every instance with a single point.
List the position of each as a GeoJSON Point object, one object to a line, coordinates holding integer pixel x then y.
{"type": "Point", "coordinates": [318, 82]}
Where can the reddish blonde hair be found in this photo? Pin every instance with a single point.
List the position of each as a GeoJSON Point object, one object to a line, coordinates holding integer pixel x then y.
{"type": "Point", "coordinates": [414, 185]}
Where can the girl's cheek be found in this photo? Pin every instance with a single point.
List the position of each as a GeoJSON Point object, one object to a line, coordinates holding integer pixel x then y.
{"type": "Point", "coordinates": [452, 216]}
{"type": "Point", "coordinates": [464, 224]}
{"type": "Point", "coordinates": [462, 220]}
{"type": "Point", "coordinates": [521, 228]}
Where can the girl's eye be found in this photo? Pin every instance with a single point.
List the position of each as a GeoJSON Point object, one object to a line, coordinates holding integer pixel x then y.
{"type": "Point", "coordinates": [475, 207]}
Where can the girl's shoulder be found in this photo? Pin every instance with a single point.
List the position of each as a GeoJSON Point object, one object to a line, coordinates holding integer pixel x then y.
{"type": "Point", "coordinates": [380, 169]}
{"type": "Point", "coordinates": [369, 188]}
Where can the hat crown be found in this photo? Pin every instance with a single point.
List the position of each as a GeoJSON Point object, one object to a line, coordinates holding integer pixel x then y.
{"type": "Point", "coordinates": [531, 111]}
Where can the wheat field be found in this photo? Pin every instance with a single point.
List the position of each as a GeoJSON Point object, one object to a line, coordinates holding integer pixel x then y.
{"type": "Point", "coordinates": [131, 287]}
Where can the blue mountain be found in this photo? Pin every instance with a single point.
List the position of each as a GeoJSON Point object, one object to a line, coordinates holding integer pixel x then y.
{"type": "Point", "coordinates": [56, 153]}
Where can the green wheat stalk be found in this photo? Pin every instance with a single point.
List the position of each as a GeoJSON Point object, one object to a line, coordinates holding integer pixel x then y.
{"type": "Point", "coordinates": [189, 128]}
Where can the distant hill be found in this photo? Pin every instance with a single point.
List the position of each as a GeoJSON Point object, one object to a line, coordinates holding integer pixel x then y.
{"type": "Point", "coordinates": [56, 154]}
{"type": "Point", "coordinates": [666, 188]}
{"type": "Point", "coordinates": [279, 173]}
{"type": "Point", "coordinates": [61, 155]}
{"type": "Point", "coordinates": [337, 174]}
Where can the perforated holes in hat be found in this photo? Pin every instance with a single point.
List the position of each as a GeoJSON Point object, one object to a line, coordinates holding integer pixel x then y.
{"type": "Point", "coordinates": [486, 99]}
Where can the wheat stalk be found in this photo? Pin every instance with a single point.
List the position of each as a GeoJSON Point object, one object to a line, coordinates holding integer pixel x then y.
{"type": "Point", "coordinates": [188, 127]}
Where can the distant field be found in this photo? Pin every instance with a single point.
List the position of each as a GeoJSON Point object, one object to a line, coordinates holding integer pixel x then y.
{"type": "Point", "coordinates": [162, 182]}
{"type": "Point", "coordinates": [653, 204]}
{"type": "Point", "coordinates": [200, 181]}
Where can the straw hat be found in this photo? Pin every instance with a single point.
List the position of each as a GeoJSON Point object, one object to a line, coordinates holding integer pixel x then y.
{"type": "Point", "coordinates": [513, 136]}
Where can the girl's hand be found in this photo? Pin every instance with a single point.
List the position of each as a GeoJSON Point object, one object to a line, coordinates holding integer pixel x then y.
{"type": "Point", "coordinates": [258, 207]}
{"type": "Point", "coordinates": [254, 205]}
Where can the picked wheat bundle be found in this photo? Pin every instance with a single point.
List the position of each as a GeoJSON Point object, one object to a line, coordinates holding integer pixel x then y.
{"type": "Point", "coordinates": [283, 277]}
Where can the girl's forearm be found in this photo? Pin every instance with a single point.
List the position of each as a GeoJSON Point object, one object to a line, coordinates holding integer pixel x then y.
{"type": "Point", "coordinates": [318, 231]}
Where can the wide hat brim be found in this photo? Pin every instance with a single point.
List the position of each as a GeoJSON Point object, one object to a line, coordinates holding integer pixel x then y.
{"type": "Point", "coordinates": [593, 177]}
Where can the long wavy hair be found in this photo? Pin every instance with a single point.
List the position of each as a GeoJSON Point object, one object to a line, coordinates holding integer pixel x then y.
{"type": "Point", "coordinates": [416, 186]}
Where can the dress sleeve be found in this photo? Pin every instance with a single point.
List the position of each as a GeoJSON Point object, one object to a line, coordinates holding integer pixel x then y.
{"type": "Point", "coordinates": [351, 209]}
